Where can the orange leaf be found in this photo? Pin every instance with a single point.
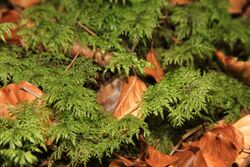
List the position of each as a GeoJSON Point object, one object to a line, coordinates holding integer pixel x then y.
{"type": "Point", "coordinates": [217, 148]}
{"type": "Point", "coordinates": [192, 155]}
{"type": "Point", "coordinates": [156, 72]}
{"type": "Point", "coordinates": [130, 97]}
{"type": "Point", "coordinates": [25, 3]}
{"type": "Point", "coordinates": [236, 6]}
{"type": "Point", "coordinates": [180, 2]}
{"type": "Point", "coordinates": [14, 94]}
{"type": "Point", "coordinates": [157, 159]}
{"type": "Point", "coordinates": [109, 94]}
{"type": "Point", "coordinates": [231, 133]}
{"type": "Point", "coordinates": [243, 125]}
{"type": "Point", "coordinates": [224, 143]}
{"type": "Point", "coordinates": [239, 69]}
{"type": "Point", "coordinates": [13, 17]}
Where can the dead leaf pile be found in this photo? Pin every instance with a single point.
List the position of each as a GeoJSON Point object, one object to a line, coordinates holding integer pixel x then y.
{"type": "Point", "coordinates": [13, 94]}
{"type": "Point", "coordinates": [238, 69]}
{"type": "Point", "coordinates": [217, 148]}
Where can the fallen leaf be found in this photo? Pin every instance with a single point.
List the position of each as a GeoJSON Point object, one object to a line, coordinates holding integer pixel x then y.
{"type": "Point", "coordinates": [223, 142]}
{"type": "Point", "coordinates": [25, 3]}
{"type": "Point", "coordinates": [230, 132]}
{"type": "Point", "coordinates": [156, 158]}
{"type": "Point", "coordinates": [194, 157]}
{"type": "Point", "coordinates": [149, 156]}
{"type": "Point", "coordinates": [130, 97]}
{"type": "Point", "coordinates": [11, 16]}
{"type": "Point", "coordinates": [217, 148]}
{"type": "Point", "coordinates": [13, 94]}
{"type": "Point", "coordinates": [156, 72]}
{"type": "Point", "coordinates": [239, 69]}
{"type": "Point", "coordinates": [116, 163]}
{"type": "Point", "coordinates": [236, 6]}
{"type": "Point", "coordinates": [180, 2]}
{"type": "Point", "coordinates": [243, 125]}
{"type": "Point", "coordinates": [109, 93]}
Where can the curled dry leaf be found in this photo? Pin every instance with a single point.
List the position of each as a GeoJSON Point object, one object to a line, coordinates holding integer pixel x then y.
{"type": "Point", "coordinates": [25, 3]}
{"type": "Point", "coordinates": [156, 72]}
{"type": "Point", "coordinates": [109, 94]}
{"type": "Point", "coordinates": [13, 94]}
{"type": "Point", "coordinates": [243, 125]}
{"type": "Point", "coordinates": [128, 103]}
{"type": "Point", "coordinates": [236, 6]}
{"type": "Point", "coordinates": [239, 69]}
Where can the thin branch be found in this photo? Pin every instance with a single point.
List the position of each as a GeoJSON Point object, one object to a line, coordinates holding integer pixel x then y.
{"type": "Point", "coordinates": [86, 29]}
{"type": "Point", "coordinates": [185, 136]}
{"type": "Point", "coordinates": [71, 63]}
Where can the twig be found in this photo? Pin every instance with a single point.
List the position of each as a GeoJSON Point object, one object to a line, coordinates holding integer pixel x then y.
{"type": "Point", "coordinates": [184, 137]}
{"type": "Point", "coordinates": [71, 63]}
{"type": "Point", "coordinates": [86, 29]}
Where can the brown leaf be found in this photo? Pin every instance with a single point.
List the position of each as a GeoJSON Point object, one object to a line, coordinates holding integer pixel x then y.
{"type": "Point", "coordinates": [25, 3]}
{"type": "Point", "coordinates": [109, 94]}
{"type": "Point", "coordinates": [218, 144]}
{"type": "Point", "coordinates": [130, 97]}
{"type": "Point", "coordinates": [239, 69]}
{"type": "Point", "coordinates": [211, 161]}
{"type": "Point", "coordinates": [116, 163]}
{"type": "Point", "coordinates": [192, 155]}
{"type": "Point", "coordinates": [236, 6]}
{"type": "Point", "coordinates": [157, 159]}
{"type": "Point", "coordinates": [231, 133]}
{"type": "Point", "coordinates": [156, 72]}
{"type": "Point", "coordinates": [217, 148]}
{"type": "Point", "coordinates": [243, 125]}
{"type": "Point", "coordinates": [11, 16]}
{"type": "Point", "coordinates": [13, 94]}
{"type": "Point", "coordinates": [126, 162]}
{"type": "Point", "coordinates": [189, 156]}
{"type": "Point", "coordinates": [180, 2]}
